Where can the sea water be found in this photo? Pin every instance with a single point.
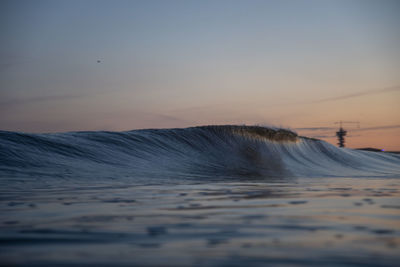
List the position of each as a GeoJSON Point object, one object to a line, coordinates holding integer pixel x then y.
{"type": "Point", "coordinates": [203, 196]}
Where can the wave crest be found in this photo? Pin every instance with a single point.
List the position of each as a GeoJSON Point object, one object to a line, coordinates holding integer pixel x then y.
{"type": "Point", "coordinates": [196, 152]}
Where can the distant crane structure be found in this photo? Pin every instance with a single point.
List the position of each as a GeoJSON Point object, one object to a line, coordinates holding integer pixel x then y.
{"type": "Point", "coordinates": [342, 132]}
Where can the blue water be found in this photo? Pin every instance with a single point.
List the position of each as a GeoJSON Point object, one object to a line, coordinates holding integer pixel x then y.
{"type": "Point", "coordinates": [204, 196]}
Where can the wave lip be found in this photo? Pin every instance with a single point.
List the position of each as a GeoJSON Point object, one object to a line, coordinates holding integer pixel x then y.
{"type": "Point", "coordinates": [257, 132]}
{"type": "Point", "coordinates": [202, 152]}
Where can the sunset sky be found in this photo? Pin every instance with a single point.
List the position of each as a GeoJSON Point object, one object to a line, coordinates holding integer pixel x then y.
{"type": "Point", "coordinates": [123, 65]}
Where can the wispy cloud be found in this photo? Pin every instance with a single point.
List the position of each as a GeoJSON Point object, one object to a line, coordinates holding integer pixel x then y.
{"type": "Point", "coordinates": [168, 118]}
{"type": "Point", "coordinates": [28, 100]}
{"type": "Point", "coordinates": [361, 93]}
{"type": "Point", "coordinates": [385, 127]}
{"type": "Point", "coordinates": [315, 129]}
{"type": "Point", "coordinates": [321, 136]}
{"type": "Point", "coordinates": [322, 129]}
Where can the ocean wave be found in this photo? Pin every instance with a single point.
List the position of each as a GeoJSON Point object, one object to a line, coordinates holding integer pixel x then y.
{"type": "Point", "coordinates": [196, 152]}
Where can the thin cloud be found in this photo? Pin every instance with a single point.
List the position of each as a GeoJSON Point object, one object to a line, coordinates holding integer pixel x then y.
{"type": "Point", "coordinates": [168, 117]}
{"type": "Point", "coordinates": [321, 136]}
{"type": "Point", "coordinates": [386, 127]}
{"type": "Point", "coordinates": [22, 101]}
{"type": "Point", "coordinates": [358, 94]}
{"type": "Point", "coordinates": [315, 129]}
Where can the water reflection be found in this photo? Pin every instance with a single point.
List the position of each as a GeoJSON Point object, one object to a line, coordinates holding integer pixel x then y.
{"type": "Point", "coordinates": [306, 221]}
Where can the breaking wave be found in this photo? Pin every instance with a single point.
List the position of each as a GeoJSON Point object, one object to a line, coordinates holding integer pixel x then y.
{"type": "Point", "coordinates": [196, 152]}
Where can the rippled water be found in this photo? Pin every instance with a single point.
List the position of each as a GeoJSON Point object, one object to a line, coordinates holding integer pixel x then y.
{"type": "Point", "coordinates": [297, 221]}
{"type": "Point", "coordinates": [201, 196]}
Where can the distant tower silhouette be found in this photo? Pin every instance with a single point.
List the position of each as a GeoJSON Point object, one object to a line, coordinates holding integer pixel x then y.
{"type": "Point", "coordinates": [341, 134]}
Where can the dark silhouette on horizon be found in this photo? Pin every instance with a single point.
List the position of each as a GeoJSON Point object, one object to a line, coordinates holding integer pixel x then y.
{"type": "Point", "coordinates": [341, 134]}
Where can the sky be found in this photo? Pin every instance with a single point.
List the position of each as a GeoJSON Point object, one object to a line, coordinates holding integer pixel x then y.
{"type": "Point", "coordinates": [122, 65]}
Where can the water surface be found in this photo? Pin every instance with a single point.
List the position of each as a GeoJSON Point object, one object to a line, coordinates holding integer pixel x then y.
{"type": "Point", "coordinates": [302, 221]}
{"type": "Point", "coordinates": [202, 196]}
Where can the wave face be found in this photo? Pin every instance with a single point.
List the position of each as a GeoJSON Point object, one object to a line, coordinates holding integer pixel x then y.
{"type": "Point", "coordinates": [197, 152]}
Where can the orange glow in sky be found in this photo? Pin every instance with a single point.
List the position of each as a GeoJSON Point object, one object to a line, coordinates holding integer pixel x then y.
{"type": "Point", "coordinates": [113, 65]}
